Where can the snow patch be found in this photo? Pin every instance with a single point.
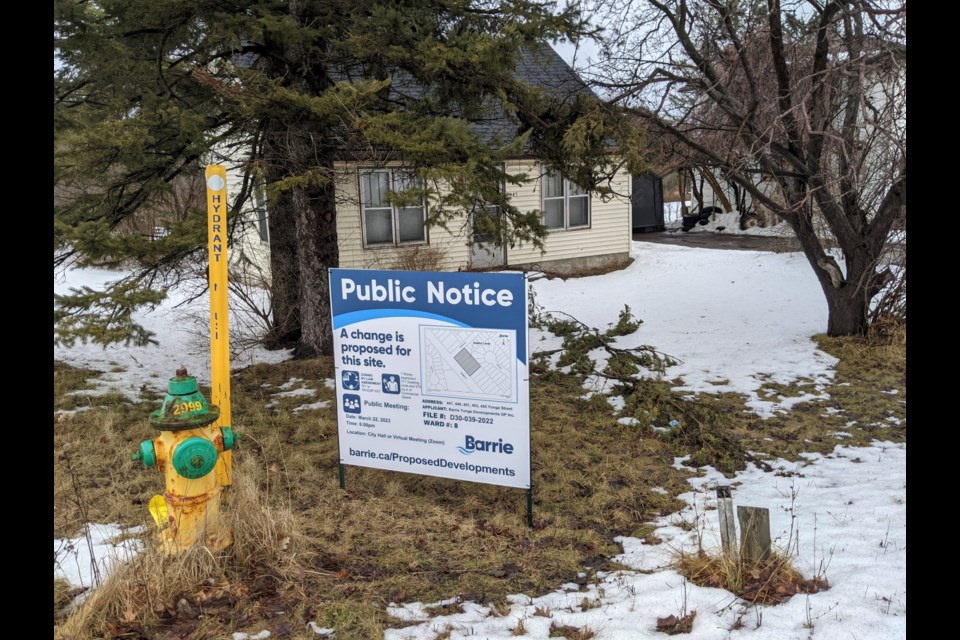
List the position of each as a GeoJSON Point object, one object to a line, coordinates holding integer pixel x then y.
{"type": "Point", "coordinates": [322, 404]}
{"type": "Point", "coordinates": [90, 557]}
{"type": "Point", "coordinates": [740, 313]}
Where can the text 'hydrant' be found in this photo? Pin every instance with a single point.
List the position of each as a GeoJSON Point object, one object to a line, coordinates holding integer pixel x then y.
{"type": "Point", "coordinates": [186, 451]}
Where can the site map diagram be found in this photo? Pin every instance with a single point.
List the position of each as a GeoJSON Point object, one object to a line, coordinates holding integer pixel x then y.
{"type": "Point", "coordinates": [473, 363]}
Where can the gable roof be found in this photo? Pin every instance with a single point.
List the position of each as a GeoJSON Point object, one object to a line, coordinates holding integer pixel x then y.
{"type": "Point", "coordinates": [540, 67]}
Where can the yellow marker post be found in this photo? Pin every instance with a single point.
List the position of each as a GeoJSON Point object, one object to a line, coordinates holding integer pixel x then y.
{"type": "Point", "coordinates": [219, 329]}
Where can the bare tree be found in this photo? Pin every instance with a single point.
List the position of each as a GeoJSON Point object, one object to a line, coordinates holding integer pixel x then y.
{"type": "Point", "coordinates": [799, 102]}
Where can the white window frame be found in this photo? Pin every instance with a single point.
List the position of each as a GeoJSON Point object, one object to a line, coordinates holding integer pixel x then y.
{"type": "Point", "coordinates": [394, 213]}
{"type": "Point", "coordinates": [260, 209]}
{"type": "Point", "coordinates": [565, 198]}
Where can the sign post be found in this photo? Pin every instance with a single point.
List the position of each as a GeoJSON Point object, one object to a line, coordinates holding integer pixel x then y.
{"type": "Point", "coordinates": [216, 178]}
{"type": "Point", "coordinates": [432, 374]}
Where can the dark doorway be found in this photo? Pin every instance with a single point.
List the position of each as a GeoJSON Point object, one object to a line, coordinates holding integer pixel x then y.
{"type": "Point", "coordinates": [647, 201]}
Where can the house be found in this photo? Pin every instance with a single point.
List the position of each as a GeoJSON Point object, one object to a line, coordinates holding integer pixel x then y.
{"type": "Point", "coordinates": [585, 231]}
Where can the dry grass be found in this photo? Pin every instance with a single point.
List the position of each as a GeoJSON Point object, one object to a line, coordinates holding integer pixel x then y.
{"type": "Point", "coordinates": [388, 536]}
{"type": "Point", "coordinates": [199, 591]}
{"type": "Point", "coordinates": [423, 258]}
{"type": "Point", "coordinates": [393, 537]}
{"type": "Point", "coordinates": [570, 632]}
{"type": "Point", "coordinates": [769, 582]}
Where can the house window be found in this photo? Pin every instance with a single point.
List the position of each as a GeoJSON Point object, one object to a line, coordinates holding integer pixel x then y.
{"type": "Point", "coordinates": [386, 224]}
{"type": "Point", "coordinates": [565, 204]}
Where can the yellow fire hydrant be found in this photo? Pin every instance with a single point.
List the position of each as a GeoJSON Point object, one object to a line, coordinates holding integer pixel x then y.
{"type": "Point", "coordinates": [186, 451]}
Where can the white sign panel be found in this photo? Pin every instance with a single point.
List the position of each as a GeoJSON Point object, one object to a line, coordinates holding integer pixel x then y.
{"type": "Point", "coordinates": [432, 373]}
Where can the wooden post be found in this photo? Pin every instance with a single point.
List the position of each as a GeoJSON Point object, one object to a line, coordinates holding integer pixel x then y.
{"type": "Point", "coordinates": [728, 530]}
{"type": "Point", "coordinates": [754, 534]}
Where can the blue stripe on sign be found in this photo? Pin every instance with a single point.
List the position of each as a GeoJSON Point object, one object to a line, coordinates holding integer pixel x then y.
{"type": "Point", "coordinates": [353, 317]}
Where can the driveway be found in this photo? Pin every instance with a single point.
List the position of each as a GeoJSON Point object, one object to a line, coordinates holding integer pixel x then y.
{"type": "Point", "coordinates": [895, 252]}
{"type": "Point", "coordinates": [709, 240]}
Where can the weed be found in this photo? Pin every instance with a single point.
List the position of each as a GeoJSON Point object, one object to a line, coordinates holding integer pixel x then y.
{"type": "Point", "coordinates": [672, 625]}
{"type": "Point", "coordinates": [445, 609]}
{"type": "Point", "coordinates": [423, 258]}
{"type": "Point", "coordinates": [586, 604]}
{"type": "Point", "coordinates": [570, 632]}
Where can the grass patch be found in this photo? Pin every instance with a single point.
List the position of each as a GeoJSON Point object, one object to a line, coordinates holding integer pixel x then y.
{"type": "Point", "coordinates": [63, 595]}
{"type": "Point", "coordinates": [199, 592]}
{"type": "Point", "coordinates": [67, 378]}
{"type": "Point", "coordinates": [703, 430]}
{"type": "Point", "coordinates": [391, 534]}
{"type": "Point", "coordinates": [769, 582]}
{"type": "Point", "coordinates": [570, 632]}
{"type": "Point", "coordinates": [393, 537]}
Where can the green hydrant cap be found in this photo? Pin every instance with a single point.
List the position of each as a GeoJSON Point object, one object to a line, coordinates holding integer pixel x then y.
{"type": "Point", "coordinates": [194, 458]}
{"type": "Point", "coordinates": [228, 438]}
{"type": "Point", "coordinates": [184, 407]}
{"type": "Point", "coordinates": [146, 454]}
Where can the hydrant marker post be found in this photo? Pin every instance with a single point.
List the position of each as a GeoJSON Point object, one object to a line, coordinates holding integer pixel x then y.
{"type": "Point", "coordinates": [216, 177]}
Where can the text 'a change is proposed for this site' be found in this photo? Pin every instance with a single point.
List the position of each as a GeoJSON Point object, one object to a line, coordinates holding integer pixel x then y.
{"type": "Point", "coordinates": [432, 373]}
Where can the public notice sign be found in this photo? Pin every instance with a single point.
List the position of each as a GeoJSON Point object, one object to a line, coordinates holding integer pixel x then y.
{"type": "Point", "coordinates": [432, 373]}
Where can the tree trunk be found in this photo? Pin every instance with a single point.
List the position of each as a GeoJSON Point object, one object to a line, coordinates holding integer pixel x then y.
{"type": "Point", "coordinates": [707, 173]}
{"type": "Point", "coordinates": [316, 231]}
{"type": "Point", "coordinates": [847, 315]}
{"type": "Point", "coordinates": [682, 186]}
{"type": "Point", "coordinates": [847, 303]}
{"type": "Point", "coordinates": [284, 273]}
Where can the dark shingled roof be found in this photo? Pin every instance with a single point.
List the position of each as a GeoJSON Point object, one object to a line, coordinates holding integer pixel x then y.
{"type": "Point", "coordinates": [543, 68]}
{"type": "Point", "coordinates": [540, 67]}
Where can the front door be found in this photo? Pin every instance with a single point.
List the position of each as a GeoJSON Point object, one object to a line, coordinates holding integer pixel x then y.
{"type": "Point", "coordinates": [484, 252]}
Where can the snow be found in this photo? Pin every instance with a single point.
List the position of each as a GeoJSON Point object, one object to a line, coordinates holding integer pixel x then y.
{"type": "Point", "coordinates": [322, 404]}
{"type": "Point", "coordinates": [74, 559]}
{"type": "Point", "coordinates": [735, 319]}
{"type": "Point", "coordinates": [729, 223]}
{"type": "Point", "coordinates": [182, 333]}
{"type": "Point", "coordinates": [845, 522]}
{"type": "Point", "coordinates": [320, 631]}
{"type": "Point", "coordinates": [263, 635]}
{"type": "Point", "coordinates": [302, 392]}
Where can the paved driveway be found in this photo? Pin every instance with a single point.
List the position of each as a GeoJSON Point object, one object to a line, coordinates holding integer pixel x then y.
{"type": "Point", "coordinates": [894, 254]}
{"type": "Point", "coordinates": [708, 240]}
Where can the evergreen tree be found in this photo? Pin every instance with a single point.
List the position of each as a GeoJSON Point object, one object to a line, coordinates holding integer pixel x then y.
{"type": "Point", "coordinates": [145, 92]}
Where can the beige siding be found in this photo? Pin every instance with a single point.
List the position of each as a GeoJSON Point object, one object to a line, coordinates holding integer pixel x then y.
{"type": "Point", "coordinates": [610, 223]}
{"type": "Point", "coordinates": [447, 249]}
{"type": "Point", "coordinates": [609, 233]}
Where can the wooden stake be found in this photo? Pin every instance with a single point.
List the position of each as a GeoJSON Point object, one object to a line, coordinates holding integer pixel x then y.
{"type": "Point", "coordinates": [754, 534]}
{"type": "Point", "coordinates": [728, 529]}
